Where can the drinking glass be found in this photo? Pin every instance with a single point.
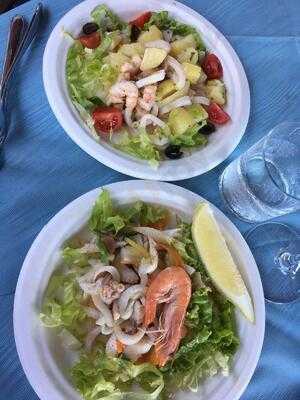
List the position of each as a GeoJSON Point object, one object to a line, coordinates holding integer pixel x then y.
{"type": "Point", "coordinates": [276, 249]}
{"type": "Point", "coordinates": [261, 184]}
{"type": "Point", "coordinates": [264, 182]}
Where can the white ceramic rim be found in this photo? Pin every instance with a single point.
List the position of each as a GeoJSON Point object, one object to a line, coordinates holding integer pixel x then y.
{"type": "Point", "coordinates": [73, 216]}
{"type": "Point", "coordinates": [222, 143]}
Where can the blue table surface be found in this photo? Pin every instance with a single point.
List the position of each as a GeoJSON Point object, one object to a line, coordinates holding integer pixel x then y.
{"type": "Point", "coordinates": [45, 170]}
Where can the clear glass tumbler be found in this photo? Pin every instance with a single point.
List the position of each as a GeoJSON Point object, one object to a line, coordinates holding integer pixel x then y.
{"type": "Point", "coordinates": [264, 182]}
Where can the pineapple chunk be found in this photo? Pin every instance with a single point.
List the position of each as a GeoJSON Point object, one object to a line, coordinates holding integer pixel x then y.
{"type": "Point", "coordinates": [215, 91]}
{"type": "Point", "coordinates": [179, 93]}
{"type": "Point", "coordinates": [116, 59]}
{"type": "Point", "coordinates": [165, 88]}
{"type": "Point", "coordinates": [193, 72]}
{"type": "Point", "coordinates": [180, 120]}
{"type": "Point", "coordinates": [132, 49]}
{"type": "Point", "coordinates": [153, 58]}
{"type": "Point", "coordinates": [152, 34]}
{"type": "Point", "coordinates": [178, 46]}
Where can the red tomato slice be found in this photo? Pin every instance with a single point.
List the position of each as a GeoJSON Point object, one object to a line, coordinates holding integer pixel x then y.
{"type": "Point", "coordinates": [91, 41]}
{"type": "Point", "coordinates": [141, 19]}
{"type": "Point", "coordinates": [212, 67]}
{"type": "Point", "coordinates": [107, 119]}
{"type": "Point", "coordinates": [216, 114]}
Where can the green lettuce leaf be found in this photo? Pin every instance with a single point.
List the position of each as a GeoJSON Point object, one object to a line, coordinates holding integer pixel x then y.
{"type": "Point", "coordinates": [144, 213]}
{"type": "Point", "coordinates": [139, 146]}
{"type": "Point", "coordinates": [105, 217]}
{"type": "Point", "coordinates": [97, 376]}
{"type": "Point", "coordinates": [163, 21]}
{"type": "Point", "coordinates": [73, 256]}
{"type": "Point", "coordinates": [209, 345]}
{"type": "Point", "coordinates": [107, 19]}
{"type": "Point", "coordinates": [62, 304]}
{"type": "Point", "coordinates": [198, 112]}
{"type": "Point", "coordinates": [190, 138]}
{"type": "Point", "coordinates": [185, 245]}
{"type": "Point", "coordinates": [88, 76]}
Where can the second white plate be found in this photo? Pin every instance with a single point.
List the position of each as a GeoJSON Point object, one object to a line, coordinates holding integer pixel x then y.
{"type": "Point", "coordinates": [221, 143]}
{"type": "Point", "coordinates": [42, 356]}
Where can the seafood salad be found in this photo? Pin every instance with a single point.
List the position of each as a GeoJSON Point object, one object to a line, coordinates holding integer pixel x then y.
{"type": "Point", "coordinates": [133, 300]}
{"type": "Point", "coordinates": [149, 87]}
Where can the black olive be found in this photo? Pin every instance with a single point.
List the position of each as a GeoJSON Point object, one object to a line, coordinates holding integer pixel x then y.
{"type": "Point", "coordinates": [135, 33]}
{"type": "Point", "coordinates": [89, 28]}
{"type": "Point", "coordinates": [207, 129]}
{"type": "Point", "coordinates": [173, 152]}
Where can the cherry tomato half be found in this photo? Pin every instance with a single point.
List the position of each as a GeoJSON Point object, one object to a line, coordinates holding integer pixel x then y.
{"type": "Point", "coordinates": [90, 41]}
{"type": "Point", "coordinates": [212, 67]}
{"type": "Point", "coordinates": [141, 19]}
{"type": "Point", "coordinates": [107, 119]}
{"type": "Point", "coordinates": [216, 114]}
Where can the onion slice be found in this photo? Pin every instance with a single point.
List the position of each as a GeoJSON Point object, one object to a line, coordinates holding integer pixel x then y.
{"type": "Point", "coordinates": [179, 76]}
{"type": "Point", "coordinates": [149, 265]}
{"type": "Point", "coordinates": [156, 234]}
{"type": "Point", "coordinates": [127, 339]}
{"type": "Point", "coordinates": [201, 100]}
{"type": "Point", "coordinates": [181, 102]}
{"type": "Point", "coordinates": [102, 307]}
{"type": "Point", "coordinates": [149, 80]}
{"type": "Point", "coordinates": [148, 119]}
{"type": "Point", "coordinates": [159, 44]}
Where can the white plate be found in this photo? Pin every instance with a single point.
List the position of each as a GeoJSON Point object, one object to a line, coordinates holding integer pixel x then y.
{"type": "Point", "coordinates": [221, 143]}
{"type": "Point", "coordinates": [45, 362]}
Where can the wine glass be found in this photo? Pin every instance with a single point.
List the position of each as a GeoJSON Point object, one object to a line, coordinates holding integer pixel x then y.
{"type": "Point", "coordinates": [261, 184]}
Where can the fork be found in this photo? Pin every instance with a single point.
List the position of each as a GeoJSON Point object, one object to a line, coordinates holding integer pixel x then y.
{"type": "Point", "coordinates": [17, 26]}
{"type": "Point", "coordinates": [13, 54]}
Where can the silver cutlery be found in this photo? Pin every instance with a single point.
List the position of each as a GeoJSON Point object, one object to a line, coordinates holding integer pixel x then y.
{"type": "Point", "coordinates": [14, 52]}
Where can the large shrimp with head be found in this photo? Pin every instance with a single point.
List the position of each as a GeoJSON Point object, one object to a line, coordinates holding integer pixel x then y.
{"type": "Point", "coordinates": [125, 90]}
{"type": "Point", "coordinates": [171, 286]}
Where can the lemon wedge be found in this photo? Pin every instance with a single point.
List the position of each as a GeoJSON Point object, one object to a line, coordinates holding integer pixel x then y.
{"type": "Point", "coordinates": [213, 250]}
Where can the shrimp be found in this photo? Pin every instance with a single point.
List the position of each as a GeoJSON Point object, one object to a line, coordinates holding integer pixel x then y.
{"type": "Point", "coordinates": [171, 286]}
{"type": "Point", "coordinates": [124, 89]}
{"type": "Point", "coordinates": [148, 99]}
{"type": "Point", "coordinates": [129, 91]}
{"type": "Point", "coordinates": [130, 68]}
{"type": "Point", "coordinates": [136, 62]}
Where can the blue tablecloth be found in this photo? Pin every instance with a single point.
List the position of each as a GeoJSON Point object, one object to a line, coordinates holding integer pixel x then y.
{"type": "Point", "coordinates": [45, 170]}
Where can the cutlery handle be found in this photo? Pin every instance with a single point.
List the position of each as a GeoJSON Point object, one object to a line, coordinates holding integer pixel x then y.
{"type": "Point", "coordinates": [24, 43]}
{"type": "Point", "coordinates": [15, 32]}
{"type": "Point", "coordinates": [28, 37]}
